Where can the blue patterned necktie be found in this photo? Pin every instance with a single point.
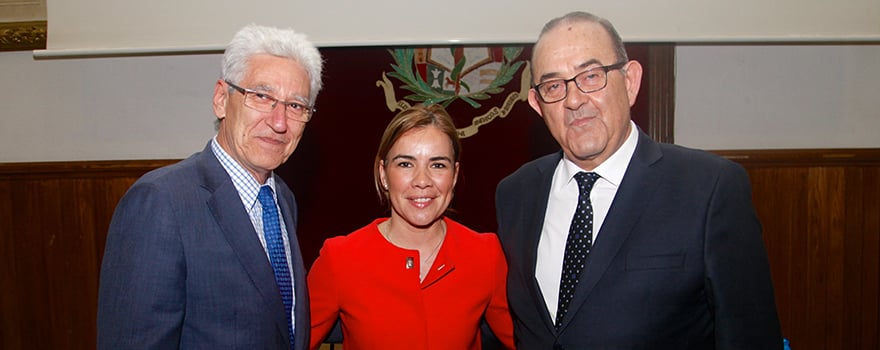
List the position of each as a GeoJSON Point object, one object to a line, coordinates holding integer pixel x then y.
{"type": "Point", "coordinates": [578, 243]}
{"type": "Point", "coordinates": [277, 255]}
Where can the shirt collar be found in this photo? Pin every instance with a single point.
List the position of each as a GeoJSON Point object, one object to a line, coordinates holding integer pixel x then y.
{"type": "Point", "coordinates": [613, 168]}
{"type": "Point", "coordinates": [245, 183]}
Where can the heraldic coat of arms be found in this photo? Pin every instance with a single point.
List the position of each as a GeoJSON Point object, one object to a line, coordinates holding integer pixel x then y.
{"type": "Point", "coordinates": [445, 75]}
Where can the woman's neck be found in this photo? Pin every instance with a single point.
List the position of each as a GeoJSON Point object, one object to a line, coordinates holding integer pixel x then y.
{"type": "Point", "coordinates": [410, 237]}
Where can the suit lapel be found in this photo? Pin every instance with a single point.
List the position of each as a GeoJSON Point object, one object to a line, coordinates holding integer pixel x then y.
{"type": "Point", "coordinates": [635, 192]}
{"type": "Point", "coordinates": [234, 222]}
{"type": "Point", "coordinates": [535, 203]}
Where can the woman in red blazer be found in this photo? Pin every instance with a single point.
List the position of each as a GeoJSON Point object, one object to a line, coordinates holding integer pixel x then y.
{"type": "Point", "coordinates": [416, 280]}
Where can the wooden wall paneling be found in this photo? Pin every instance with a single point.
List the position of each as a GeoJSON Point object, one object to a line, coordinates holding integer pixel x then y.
{"type": "Point", "coordinates": [30, 230]}
{"type": "Point", "coordinates": [53, 223]}
{"type": "Point", "coordinates": [777, 194]}
{"type": "Point", "coordinates": [10, 327]}
{"type": "Point", "coordinates": [660, 79]}
{"type": "Point", "coordinates": [827, 233]}
{"type": "Point", "coordinates": [58, 302]}
{"type": "Point", "coordinates": [871, 301]}
{"type": "Point", "coordinates": [820, 210]}
{"type": "Point", "coordinates": [852, 278]}
{"type": "Point", "coordinates": [800, 265]}
{"type": "Point", "coordinates": [73, 257]}
{"type": "Point", "coordinates": [852, 281]}
{"type": "Point", "coordinates": [862, 327]}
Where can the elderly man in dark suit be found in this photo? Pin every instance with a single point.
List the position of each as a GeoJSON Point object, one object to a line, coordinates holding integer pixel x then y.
{"type": "Point", "coordinates": [203, 254]}
{"type": "Point", "coordinates": [619, 242]}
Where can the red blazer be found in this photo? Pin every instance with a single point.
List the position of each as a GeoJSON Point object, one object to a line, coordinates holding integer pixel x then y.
{"type": "Point", "coordinates": [363, 279]}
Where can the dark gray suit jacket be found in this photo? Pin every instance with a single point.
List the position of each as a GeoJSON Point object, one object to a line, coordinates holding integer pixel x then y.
{"type": "Point", "coordinates": [183, 267]}
{"type": "Point", "coordinates": [679, 262]}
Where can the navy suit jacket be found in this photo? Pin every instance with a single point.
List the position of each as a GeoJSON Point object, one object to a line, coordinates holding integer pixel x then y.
{"type": "Point", "coordinates": [183, 267]}
{"type": "Point", "coordinates": [679, 262]}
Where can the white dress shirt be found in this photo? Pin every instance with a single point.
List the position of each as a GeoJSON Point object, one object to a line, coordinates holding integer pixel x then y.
{"type": "Point", "coordinates": [248, 188]}
{"type": "Point", "coordinates": [560, 209]}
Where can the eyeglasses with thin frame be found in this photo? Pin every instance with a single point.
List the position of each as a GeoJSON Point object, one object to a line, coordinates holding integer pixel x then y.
{"type": "Point", "coordinates": [590, 80]}
{"type": "Point", "coordinates": [264, 102]}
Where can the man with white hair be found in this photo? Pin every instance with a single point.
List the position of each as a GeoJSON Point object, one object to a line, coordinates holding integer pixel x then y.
{"type": "Point", "coordinates": [203, 254]}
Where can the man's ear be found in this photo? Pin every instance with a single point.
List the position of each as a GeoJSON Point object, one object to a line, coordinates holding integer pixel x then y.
{"type": "Point", "coordinates": [633, 80]}
{"type": "Point", "coordinates": [221, 95]}
{"type": "Point", "coordinates": [535, 103]}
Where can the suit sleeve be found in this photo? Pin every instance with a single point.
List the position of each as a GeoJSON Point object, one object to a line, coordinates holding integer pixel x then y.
{"type": "Point", "coordinates": [501, 204]}
{"type": "Point", "coordinates": [324, 299]}
{"type": "Point", "coordinates": [738, 272]}
{"type": "Point", "coordinates": [498, 313]}
{"type": "Point", "coordinates": [141, 292]}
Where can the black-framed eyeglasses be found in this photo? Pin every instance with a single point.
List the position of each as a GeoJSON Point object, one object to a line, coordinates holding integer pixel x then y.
{"type": "Point", "coordinates": [264, 102]}
{"type": "Point", "coordinates": [590, 80]}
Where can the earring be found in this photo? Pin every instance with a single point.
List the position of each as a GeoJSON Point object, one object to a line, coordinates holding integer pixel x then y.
{"type": "Point", "coordinates": [386, 187]}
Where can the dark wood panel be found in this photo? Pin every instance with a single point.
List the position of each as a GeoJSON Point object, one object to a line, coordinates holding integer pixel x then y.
{"type": "Point", "coordinates": [53, 222]}
{"type": "Point", "coordinates": [820, 210]}
{"type": "Point", "coordinates": [660, 92]}
{"type": "Point", "coordinates": [864, 302]}
{"type": "Point", "coordinates": [10, 328]}
{"type": "Point", "coordinates": [785, 202]}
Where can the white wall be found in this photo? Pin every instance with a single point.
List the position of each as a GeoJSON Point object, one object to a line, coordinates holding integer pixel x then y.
{"type": "Point", "coordinates": [95, 26]}
{"type": "Point", "coordinates": [105, 108]}
{"type": "Point", "coordinates": [778, 96]}
{"type": "Point", "coordinates": [158, 107]}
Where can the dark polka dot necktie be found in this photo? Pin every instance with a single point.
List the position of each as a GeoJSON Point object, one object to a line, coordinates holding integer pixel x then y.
{"type": "Point", "coordinates": [578, 243]}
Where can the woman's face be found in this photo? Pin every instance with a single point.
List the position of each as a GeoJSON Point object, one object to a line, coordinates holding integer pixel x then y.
{"type": "Point", "coordinates": [419, 173]}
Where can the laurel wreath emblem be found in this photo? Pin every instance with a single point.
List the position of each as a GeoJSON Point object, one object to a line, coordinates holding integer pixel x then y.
{"type": "Point", "coordinates": [424, 93]}
{"type": "Point", "coordinates": [421, 90]}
